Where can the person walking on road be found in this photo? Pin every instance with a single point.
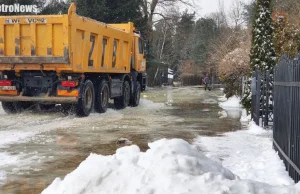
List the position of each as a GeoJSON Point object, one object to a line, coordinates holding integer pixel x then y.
{"type": "Point", "coordinates": [205, 81]}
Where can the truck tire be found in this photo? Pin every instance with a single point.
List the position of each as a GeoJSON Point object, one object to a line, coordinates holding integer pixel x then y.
{"type": "Point", "coordinates": [15, 107]}
{"type": "Point", "coordinates": [123, 101]}
{"type": "Point", "coordinates": [86, 101]}
{"type": "Point", "coordinates": [10, 107]}
{"type": "Point", "coordinates": [102, 97]}
{"type": "Point", "coordinates": [136, 95]}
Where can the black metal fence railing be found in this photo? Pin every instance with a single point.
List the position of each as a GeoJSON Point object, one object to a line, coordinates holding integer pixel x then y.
{"type": "Point", "coordinates": [262, 98]}
{"type": "Point", "coordinates": [286, 132]}
{"type": "Point", "coordinates": [255, 96]}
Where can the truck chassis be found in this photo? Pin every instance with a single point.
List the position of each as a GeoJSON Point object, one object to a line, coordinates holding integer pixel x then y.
{"type": "Point", "coordinates": [81, 92]}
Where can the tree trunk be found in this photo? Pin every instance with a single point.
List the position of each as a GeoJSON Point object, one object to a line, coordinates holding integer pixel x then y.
{"type": "Point", "coordinates": [155, 76]}
{"type": "Point", "coordinates": [164, 40]}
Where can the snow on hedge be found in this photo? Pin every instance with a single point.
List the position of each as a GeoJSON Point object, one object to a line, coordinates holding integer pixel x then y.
{"type": "Point", "coordinates": [167, 167]}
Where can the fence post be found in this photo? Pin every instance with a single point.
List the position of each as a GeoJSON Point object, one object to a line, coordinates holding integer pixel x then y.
{"type": "Point", "coordinates": [263, 100]}
{"type": "Point", "coordinates": [258, 87]}
{"type": "Point", "coordinates": [267, 78]}
{"type": "Point", "coordinates": [289, 74]}
{"type": "Point", "coordinates": [253, 94]}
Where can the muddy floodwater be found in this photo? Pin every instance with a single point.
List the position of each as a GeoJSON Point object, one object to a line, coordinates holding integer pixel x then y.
{"type": "Point", "coordinates": [36, 147]}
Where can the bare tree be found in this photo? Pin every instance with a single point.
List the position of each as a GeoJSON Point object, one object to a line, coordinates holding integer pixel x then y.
{"type": "Point", "coordinates": [159, 8]}
{"type": "Point", "coordinates": [220, 16]}
{"type": "Point", "coordinates": [236, 13]}
{"type": "Point", "coordinates": [164, 30]}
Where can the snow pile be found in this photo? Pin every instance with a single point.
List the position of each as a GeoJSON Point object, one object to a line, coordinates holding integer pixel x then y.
{"type": "Point", "coordinates": [231, 103]}
{"type": "Point", "coordinates": [256, 130]}
{"type": "Point", "coordinates": [249, 155]}
{"type": "Point", "coordinates": [222, 114]}
{"type": "Point", "coordinates": [222, 98]}
{"type": "Point", "coordinates": [245, 117]}
{"type": "Point", "coordinates": [169, 166]}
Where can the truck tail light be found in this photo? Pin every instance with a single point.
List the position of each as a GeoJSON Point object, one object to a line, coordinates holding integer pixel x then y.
{"type": "Point", "coordinates": [5, 82]}
{"type": "Point", "coordinates": [70, 84]}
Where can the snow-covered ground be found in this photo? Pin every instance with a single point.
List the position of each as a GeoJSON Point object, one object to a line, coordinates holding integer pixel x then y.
{"type": "Point", "coordinates": [241, 162]}
{"type": "Point", "coordinates": [248, 154]}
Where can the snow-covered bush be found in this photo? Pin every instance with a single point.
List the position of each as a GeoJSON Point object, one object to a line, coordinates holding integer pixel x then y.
{"type": "Point", "coordinates": [233, 66]}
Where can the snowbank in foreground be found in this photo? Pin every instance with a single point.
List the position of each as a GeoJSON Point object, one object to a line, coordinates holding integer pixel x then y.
{"type": "Point", "coordinates": [248, 154]}
{"type": "Point", "coordinates": [169, 166]}
{"type": "Point", "coordinates": [231, 103]}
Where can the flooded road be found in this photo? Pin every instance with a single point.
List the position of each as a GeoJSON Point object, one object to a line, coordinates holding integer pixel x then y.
{"type": "Point", "coordinates": [36, 147]}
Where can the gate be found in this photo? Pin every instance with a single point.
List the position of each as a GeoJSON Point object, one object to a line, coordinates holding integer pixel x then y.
{"type": "Point", "coordinates": [255, 96]}
{"type": "Point", "coordinates": [262, 98]}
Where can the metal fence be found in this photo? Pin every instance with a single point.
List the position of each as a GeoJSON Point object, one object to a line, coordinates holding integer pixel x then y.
{"type": "Point", "coordinates": [255, 96]}
{"type": "Point", "coordinates": [262, 98]}
{"type": "Point", "coordinates": [286, 135]}
{"type": "Point", "coordinates": [267, 108]}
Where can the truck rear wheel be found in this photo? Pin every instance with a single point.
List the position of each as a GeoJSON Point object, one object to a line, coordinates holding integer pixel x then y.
{"type": "Point", "coordinates": [15, 107]}
{"type": "Point", "coordinates": [123, 101]}
{"type": "Point", "coordinates": [102, 97]}
{"type": "Point", "coordinates": [86, 101]}
{"type": "Point", "coordinates": [10, 107]}
{"type": "Point", "coordinates": [137, 95]}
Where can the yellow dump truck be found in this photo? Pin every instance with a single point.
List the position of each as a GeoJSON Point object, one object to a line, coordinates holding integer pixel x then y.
{"type": "Point", "coordinates": [69, 60]}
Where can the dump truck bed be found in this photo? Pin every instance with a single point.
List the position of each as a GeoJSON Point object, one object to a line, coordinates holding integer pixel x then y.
{"type": "Point", "coordinates": [64, 43]}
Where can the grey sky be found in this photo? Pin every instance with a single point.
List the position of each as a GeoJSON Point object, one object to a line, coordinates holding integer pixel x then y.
{"type": "Point", "coordinates": [209, 6]}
